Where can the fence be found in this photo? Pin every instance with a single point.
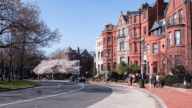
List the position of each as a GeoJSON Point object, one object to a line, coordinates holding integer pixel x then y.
{"type": "Point", "coordinates": [177, 83]}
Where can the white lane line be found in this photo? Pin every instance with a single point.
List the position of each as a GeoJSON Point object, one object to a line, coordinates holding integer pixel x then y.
{"type": "Point", "coordinates": [42, 97]}
{"type": "Point", "coordinates": [59, 85]}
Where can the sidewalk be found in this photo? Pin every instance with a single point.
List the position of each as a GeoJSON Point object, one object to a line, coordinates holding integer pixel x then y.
{"type": "Point", "coordinates": [173, 99]}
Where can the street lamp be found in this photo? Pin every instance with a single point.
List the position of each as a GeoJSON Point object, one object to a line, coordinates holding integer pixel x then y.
{"type": "Point", "coordinates": [106, 72]}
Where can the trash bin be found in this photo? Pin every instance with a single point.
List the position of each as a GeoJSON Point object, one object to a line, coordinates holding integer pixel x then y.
{"type": "Point", "coordinates": [141, 83]}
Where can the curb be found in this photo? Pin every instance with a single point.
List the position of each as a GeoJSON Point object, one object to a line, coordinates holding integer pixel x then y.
{"type": "Point", "coordinates": [159, 101]}
{"type": "Point", "coordinates": [5, 90]}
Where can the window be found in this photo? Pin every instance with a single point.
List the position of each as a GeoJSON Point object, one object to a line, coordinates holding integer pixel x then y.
{"type": "Point", "coordinates": [131, 48]}
{"type": "Point", "coordinates": [121, 59]}
{"type": "Point", "coordinates": [114, 52]}
{"type": "Point", "coordinates": [148, 49]}
{"type": "Point", "coordinates": [98, 54]}
{"type": "Point", "coordinates": [101, 67]}
{"type": "Point", "coordinates": [135, 19]}
{"type": "Point", "coordinates": [180, 16]}
{"type": "Point", "coordinates": [174, 3]}
{"type": "Point", "coordinates": [109, 40]}
{"type": "Point", "coordinates": [119, 33]}
{"type": "Point", "coordinates": [105, 66]}
{"type": "Point", "coordinates": [178, 38]}
{"type": "Point", "coordinates": [121, 21]}
{"type": "Point", "coordinates": [131, 33]}
{"type": "Point", "coordinates": [169, 21]}
{"type": "Point", "coordinates": [131, 62]}
{"type": "Point", "coordinates": [136, 47]}
{"type": "Point", "coordinates": [131, 20]}
{"type": "Point", "coordinates": [109, 66]}
{"type": "Point", "coordinates": [104, 41]}
{"type": "Point", "coordinates": [99, 43]}
{"type": "Point", "coordinates": [169, 38]}
{"type": "Point", "coordinates": [144, 16]}
{"type": "Point", "coordinates": [101, 53]}
{"type": "Point", "coordinates": [174, 18]}
{"type": "Point", "coordinates": [109, 52]}
{"type": "Point", "coordinates": [144, 31]}
{"type": "Point", "coordinates": [155, 68]}
{"type": "Point", "coordinates": [155, 48]}
{"type": "Point", "coordinates": [136, 62]}
{"type": "Point", "coordinates": [123, 32]}
{"type": "Point", "coordinates": [114, 39]}
{"type": "Point", "coordinates": [65, 56]}
{"type": "Point", "coordinates": [121, 46]}
{"type": "Point", "coordinates": [104, 52]}
{"type": "Point", "coordinates": [136, 32]}
{"type": "Point", "coordinates": [163, 28]}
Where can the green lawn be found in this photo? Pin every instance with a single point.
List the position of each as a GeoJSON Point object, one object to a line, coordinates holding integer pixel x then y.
{"type": "Point", "coordinates": [16, 84]}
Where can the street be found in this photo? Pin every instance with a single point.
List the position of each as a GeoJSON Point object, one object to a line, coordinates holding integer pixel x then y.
{"type": "Point", "coordinates": [56, 94]}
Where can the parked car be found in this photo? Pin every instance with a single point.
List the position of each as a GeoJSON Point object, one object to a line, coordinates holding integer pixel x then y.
{"type": "Point", "coordinates": [80, 79]}
{"type": "Point", "coordinates": [25, 77]}
{"type": "Point", "coordinates": [72, 78]}
{"type": "Point", "coordinates": [16, 76]}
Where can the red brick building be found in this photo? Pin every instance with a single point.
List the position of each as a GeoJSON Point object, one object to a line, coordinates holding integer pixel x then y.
{"type": "Point", "coordinates": [156, 33]}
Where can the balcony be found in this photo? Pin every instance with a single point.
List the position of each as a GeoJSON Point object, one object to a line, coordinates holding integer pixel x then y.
{"type": "Point", "coordinates": [121, 36]}
{"type": "Point", "coordinates": [175, 22]}
{"type": "Point", "coordinates": [100, 59]}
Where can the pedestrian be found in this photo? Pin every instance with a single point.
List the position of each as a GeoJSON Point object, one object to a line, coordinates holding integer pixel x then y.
{"type": "Point", "coordinates": [130, 78]}
{"type": "Point", "coordinates": [154, 81]}
{"type": "Point", "coordinates": [157, 79]}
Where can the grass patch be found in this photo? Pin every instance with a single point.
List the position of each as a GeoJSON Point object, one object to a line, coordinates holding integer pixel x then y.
{"type": "Point", "coordinates": [16, 84]}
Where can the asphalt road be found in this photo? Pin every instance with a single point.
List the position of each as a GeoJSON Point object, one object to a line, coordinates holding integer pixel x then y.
{"type": "Point", "coordinates": [53, 94]}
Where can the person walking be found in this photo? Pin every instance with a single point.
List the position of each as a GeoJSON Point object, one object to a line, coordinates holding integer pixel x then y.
{"type": "Point", "coordinates": [130, 78]}
{"type": "Point", "coordinates": [154, 81]}
{"type": "Point", "coordinates": [157, 79]}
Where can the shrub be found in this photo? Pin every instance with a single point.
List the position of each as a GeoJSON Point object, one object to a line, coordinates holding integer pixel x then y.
{"type": "Point", "coordinates": [100, 75]}
{"type": "Point", "coordinates": [121, 81]}
{"type": "Point", "coordinates": [97, 80]}
{"type": "Point", "coordinates": [167, 77]}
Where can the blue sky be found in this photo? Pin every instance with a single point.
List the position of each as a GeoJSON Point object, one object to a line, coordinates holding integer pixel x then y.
{"type": "Point", "coordinates": [81, 21]}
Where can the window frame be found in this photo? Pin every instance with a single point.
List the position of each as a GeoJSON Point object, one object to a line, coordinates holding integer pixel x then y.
{"type": "Point", "coordinates": [114, 52]}
{"type": "Point", "coordinates": [121, 47]}
{"type": "Point", "coordinates": [144, 31]}
{"type": "Point", "coordinates": [155, 48]}
{"type": "Point", "coordinates": [109, 52]}
{"type": "Point", "coordinates": [114, 39]}
{"type": "Point", "coordinates": [180, 16]}
{"type": "Point", "coordinates": [135, 18]}
{"type": "Point", "coordinates": [104, 41]}
{"type": "Point", "coordinates": [148, 49]}
{"type": "Point", "coordinates": [156, 66]}
{"type": "Point", "coordinates": [169, 39]}
{"type": "Point", "coordinates": [136, 33]}
{"type": "Point", "coordinates": [174, 19]}
{"type": "Point", "coordinates": [109, 66]}
{"type": "Point", "coordinates": [109, 40]}
{"type": "Point", "coordinates": [180, 40]}
{"type": "Point", "coordinates": [144, 16]}
{"type": "Point", "coordinates": [136, 47]}
{"type": "Point", "coordinates": [121, 59]}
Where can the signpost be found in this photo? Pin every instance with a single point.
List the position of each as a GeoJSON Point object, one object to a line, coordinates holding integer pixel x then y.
{"type": "Point", "coordinates": [153, 64]}
{"type": "Point", "coordinates": [106, 73]}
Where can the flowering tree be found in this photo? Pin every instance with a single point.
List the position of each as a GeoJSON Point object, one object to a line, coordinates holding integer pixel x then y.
{"type": "Point", "coordinates": [57, 66]}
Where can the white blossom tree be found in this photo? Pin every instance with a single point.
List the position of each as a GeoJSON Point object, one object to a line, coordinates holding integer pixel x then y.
{"type": "Point", "coordinates": [57, 66]}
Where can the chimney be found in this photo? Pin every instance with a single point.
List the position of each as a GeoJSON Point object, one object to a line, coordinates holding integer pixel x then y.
{"type": "Point", "coordinates": [160, 9]}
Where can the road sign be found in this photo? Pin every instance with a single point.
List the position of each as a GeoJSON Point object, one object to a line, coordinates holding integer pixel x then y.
{"type": "Point", "coordinates": [106, 72]}
{"type": "Point", "coordinates": [153, 64]}
{"type": "Point", "coordinates": [143, 63]}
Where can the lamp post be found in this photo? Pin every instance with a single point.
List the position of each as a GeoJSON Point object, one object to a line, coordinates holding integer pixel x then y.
{"type": "Point", "coordinates": [106, 72]}
{"type": "Point", "coordinates": [78, 68]}
{"type": "Point", "coordinates": [86, 73]}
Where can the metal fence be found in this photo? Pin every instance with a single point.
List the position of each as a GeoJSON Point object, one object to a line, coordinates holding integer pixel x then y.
{"type": "Point", "coordinates": [179, 83]}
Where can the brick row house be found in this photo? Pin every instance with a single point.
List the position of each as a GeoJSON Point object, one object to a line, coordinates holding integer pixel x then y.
{"type": "Point", "coordinates": [156, 33]}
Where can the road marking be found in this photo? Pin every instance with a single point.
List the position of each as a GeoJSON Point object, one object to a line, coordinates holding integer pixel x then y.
{"type": "Point", "coordinates": [43, 97]}
{"type": "Point", "coordinates": [59, 85]}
